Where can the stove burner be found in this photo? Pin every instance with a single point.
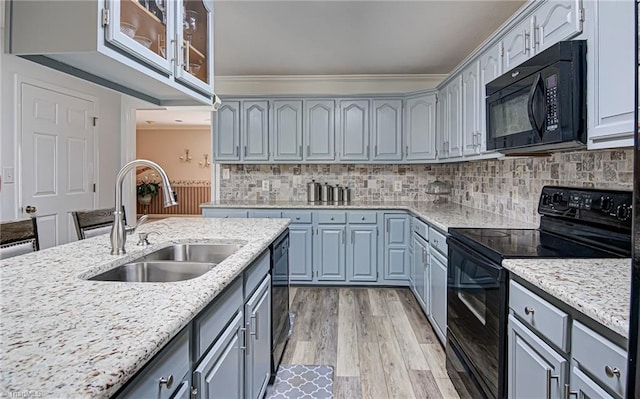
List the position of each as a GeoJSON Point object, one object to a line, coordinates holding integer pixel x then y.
{"type": "Point", "coordinates": [490, 234]}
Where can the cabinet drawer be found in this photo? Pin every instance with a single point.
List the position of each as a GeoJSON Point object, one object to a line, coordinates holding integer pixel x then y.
{"type": "Point", "coordinates": [212, 321]}
{"type": "Point", "coordinates": [540, 315]}
{"type": "Point", "coordinates": [266, 214]}
{"type": "Point", "coordinates": [172, 361]}
{"type": "Point", "coordinates": [362, 217]}
{"type": "Point", "coordinates": [438, 240]}
{"type": "Point", "coordinates": [332, 217]}
{"type": "Point", "coordinates": [421, 228]}
{"type": "Point", "coordinates": [224, 213]}
{"type": "Point", "coordinates": [298, 216]}
{"type": "Point", "coordinates": [597, 355]}
{"type": "Point", "coordinates": [255, 274]}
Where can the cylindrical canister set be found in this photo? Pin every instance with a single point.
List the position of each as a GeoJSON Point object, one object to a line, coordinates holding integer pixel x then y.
{"type": "Point", "coordinates": [317, 192]}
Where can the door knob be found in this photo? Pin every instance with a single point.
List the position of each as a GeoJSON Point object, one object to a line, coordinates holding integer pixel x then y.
{"type": "Point", "coordinates": [30, 209]}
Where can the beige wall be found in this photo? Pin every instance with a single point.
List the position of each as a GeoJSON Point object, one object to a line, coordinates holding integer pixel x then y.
{"type": "Point", "coordinates": [166, 146]}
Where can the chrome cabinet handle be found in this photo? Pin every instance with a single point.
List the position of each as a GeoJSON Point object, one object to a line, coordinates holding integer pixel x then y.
{"type": "Point", "coordinates": [254, 329]}
{"type": "Point", "coordinates": [435, 241]}
{"type": "Point", "coordinates": [168, 382]}
{"type": "Point", "coordinates": [237, 150]}
{"type": "Point", "coordinates": [568, 393]}
{"type": "Point", "coordinates": [525, 35]}
{"type": "Point", "coordinates": [244, 340]}
{"type": "Point", "coordinates": [528, 310]}
{"type": "Point", "coordinates": [611, 372]}
{"type": "Point", "coordinates": [353, 234]}
{"type": "Point", "coordinates": [549, 378]}
{"type": "Point", "coordinates": [300, 149]}
{"type": "Point", "coordinates": [308, 151]}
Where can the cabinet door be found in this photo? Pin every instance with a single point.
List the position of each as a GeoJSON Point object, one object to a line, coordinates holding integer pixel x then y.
{"type": "Point", "coordinates": [454, 117]}
{"type": "Point", "coordinates": [438, 295]}
{"type": "Point", "coordinates": [300, 260]}
{"type": "Point", "coordinates": [420, 248]}
{"type": "Point", "coordinates": [362, 264]}
{"type": "Point", "coordinates": [420, 128]}
{"type": "Point", "coordinates": [255, 130]}
{"type": "Point", "coordinates": [555, 21]}
{"type": "Point", "coordinates": [610, 61]}
{"type": "Point", "coordinates": [396, 230]}
{"type": "Point", "coordinates": [319, 130]}
{"type": "Point", "coordinates": [258, 325]}
{"type": "Point", "coordinates": [194, 66]}
{"type": "Point", "coordinates": [584, 387]}
{"type": "Point", "coordinates": [471, 109]}
{"type": "Point", "coordinates": [490, 68]}
{"type": "Point", "coordinates": [517, 45]}
{"type": "Point", "coordinates": [143, 31]}
{"type": "Point", "coordinates": [354, 130]}
{"type": "Point", "coordinates": [387, 130]}
{"type": "Point", "coordinates": [534, 368]}
{"type": "Point", "coordinates": [287, 130]}
{"type": "Point", "coordinates": [442, 123]}
{"type": "Point", "coordinates": [220, 374]}
{"type": "Point", "coordinates": [226, 132]}
{"type": "Point", "coordinates": [330, 253]}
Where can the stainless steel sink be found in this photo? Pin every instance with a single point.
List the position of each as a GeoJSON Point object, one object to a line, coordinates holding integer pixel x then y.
{"type": "Point", "coordinates": [155, 271]}
{"type": "Point", "coordinates": [212, 253]}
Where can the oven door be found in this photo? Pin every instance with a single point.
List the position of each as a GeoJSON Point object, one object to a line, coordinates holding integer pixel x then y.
{"type": "Point", "coordinates": [476, 316]}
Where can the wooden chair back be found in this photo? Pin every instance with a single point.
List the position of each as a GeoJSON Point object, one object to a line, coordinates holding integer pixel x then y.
{"type": "Point", "coordinates": [93, 222]}
{"type": "Point", "coordinates": [18, 237]}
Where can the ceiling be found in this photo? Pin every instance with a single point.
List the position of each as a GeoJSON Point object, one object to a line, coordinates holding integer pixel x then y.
{"type": "Point", "coordinates": [191, 117]}
{"type": "Point", "coordinates": [351, 37]}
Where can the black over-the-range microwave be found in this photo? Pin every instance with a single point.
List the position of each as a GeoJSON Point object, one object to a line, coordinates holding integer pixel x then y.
{"type": "Point", "coordinates": [541, 104]}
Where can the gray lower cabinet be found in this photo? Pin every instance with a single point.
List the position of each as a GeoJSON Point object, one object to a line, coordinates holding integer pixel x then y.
{"type": "Point", "coordinates": [438, 294]}
{"type": "Point", "coordinates": [183, 391]}
{"type": "Point", "coordinates": [221, 372]}
{"type": "Point", "coordinates": [535, 370]}
{"type": "Point", "coordinates": [586, 388]}
{"type": "Point", "coordinates": [420, 259]}
{"type": "Point", "coordinates": [362, 262]}
{"type": "Point", "coordinates": [329, 251]}
{"type": "Point", "coordinates": [258, 330]}
{"type": "Point", "coordinates": [224, 213]}
{"type": "Point", "coordinates": [396, 247]}
{"type": "Point", "coordinates": [300, 253]}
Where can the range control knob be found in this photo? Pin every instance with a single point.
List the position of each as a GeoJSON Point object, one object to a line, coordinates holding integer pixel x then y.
{"type": "Point", "coordinates": [606, 204]}
{"type": "Point", "coordinates": [557, 198]}
{"type": "Point", "coordinates": [546, 199]}
{"type": "Point", "coordinates": [623, 212]}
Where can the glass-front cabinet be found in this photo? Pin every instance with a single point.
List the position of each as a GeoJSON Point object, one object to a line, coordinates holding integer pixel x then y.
{"type": "Point", "coordinates": [195, 35]}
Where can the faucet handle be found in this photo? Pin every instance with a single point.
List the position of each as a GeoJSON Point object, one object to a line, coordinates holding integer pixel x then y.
{"type": "Point", "coordinates": [132, 229]}
{"type": "Point", "coordinates": [143, 238]}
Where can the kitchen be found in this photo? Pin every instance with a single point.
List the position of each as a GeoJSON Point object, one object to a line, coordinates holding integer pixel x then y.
{"type": "Point", "coordinates": [269, 178]}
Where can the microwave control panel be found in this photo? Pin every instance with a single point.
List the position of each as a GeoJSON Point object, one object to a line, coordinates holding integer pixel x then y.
{"type": "Point", "coordinates": [552, 102]}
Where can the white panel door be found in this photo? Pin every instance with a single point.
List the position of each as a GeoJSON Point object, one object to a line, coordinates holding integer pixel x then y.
{"type": "Point", "coordinates": [57, 169]}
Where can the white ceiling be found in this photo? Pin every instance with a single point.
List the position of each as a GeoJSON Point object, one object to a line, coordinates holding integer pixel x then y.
{"type": "Point", "coordinates": [176, 119]}
{"type": "Point", "coordinates": [351, 37]}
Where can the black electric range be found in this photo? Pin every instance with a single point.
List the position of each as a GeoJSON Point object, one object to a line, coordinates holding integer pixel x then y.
{"type": "Point", "coordinates": [575, 223]}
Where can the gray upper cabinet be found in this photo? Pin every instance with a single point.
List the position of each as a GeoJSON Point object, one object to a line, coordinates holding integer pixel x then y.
{"type": "Point", "coordinates": [319, 130]}
{"type": "Point", "coordinates": [471, 109]}
{"type": "Point", "coordinates": [287, 130]}
{"type": "Point", "coordinates": [255, 130]}
{"type": "Point", "coordinates": [490, 68]}
{"type": "Point", "coordinates": [555, 21]}
{"type": "Point", "coordinates": [354, 130]}
{"type": "Point", "coordinates": [386, 130]}
{"type": "Point", "coordinates": [516, 45]}
{"type": "Point", "coordinates": [454, 118]}
{"type": "Point", "coordinates": [420, 128]}
{"type": "Point", "coordinates": [226, 132]}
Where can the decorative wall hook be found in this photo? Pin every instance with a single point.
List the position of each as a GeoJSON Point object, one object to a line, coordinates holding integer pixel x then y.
{"type": "Point", "coordinates": [206, 163]}
{"type": "Point", "coordinates": [186, 157]}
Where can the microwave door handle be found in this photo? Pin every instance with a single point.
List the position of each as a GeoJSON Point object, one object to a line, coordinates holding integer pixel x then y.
{"type": "Point", "coordinates": [537, 110]}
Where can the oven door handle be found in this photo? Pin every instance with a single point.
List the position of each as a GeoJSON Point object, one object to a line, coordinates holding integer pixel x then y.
{"type": "Point", "coordinates": [537, 105]}
{"type": "Point", "coordinates": [495, 270]}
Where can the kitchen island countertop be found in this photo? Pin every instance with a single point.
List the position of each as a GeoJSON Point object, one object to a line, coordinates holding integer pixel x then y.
{"type": "Point", "coordinates": [64, 336]}
{"type": "Point", "coordinates": [441, 215]}
{"type": "Point", "coordinates": [597, 288]}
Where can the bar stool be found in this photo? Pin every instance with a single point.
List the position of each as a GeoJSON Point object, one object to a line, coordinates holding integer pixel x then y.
{"type": "Point", "coordinates": [18, 238]}
{"type": "Point", "coordinates": [93, 223]}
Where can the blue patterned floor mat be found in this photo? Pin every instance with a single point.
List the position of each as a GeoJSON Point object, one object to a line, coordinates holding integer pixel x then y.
{"type": "Point", "coordinates": [296, 381]}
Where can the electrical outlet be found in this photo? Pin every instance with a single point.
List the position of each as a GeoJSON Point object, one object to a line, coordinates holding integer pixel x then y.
{"type": "Point", "coordinates": [397, 186]}
{"type": "Point", "coordinates": [265, 185]}
{"type": "Point", "coordinates": [225, 174]}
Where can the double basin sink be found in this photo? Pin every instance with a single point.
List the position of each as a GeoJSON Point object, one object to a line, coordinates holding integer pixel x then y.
{"type": "Point", "coordinates": [174, 263]}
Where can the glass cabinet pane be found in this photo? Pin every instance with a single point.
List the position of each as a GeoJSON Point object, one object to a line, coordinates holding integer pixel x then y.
{"type": "Point", "coordinates": [196, 17]}
{"type": "Point", "coordinates": [145, 21]}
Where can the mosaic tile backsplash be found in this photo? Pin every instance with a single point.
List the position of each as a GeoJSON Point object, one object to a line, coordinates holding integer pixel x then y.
{"type": "Point", "coordinates": [509, 186]}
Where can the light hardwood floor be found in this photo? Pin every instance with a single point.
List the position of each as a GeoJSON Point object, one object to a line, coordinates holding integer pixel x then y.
{"type": "Point", "coordinates": [377, 339]}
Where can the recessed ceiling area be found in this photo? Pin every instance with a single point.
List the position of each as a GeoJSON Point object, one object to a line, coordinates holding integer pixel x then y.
{"type": "Point", "coordinates": [176, 119]}
{"type": "Point", "coordinates": [351, 37]}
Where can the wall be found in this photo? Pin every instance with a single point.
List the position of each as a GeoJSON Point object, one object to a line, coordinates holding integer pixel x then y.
{"type": "Point", "coordinates": [510, 186]}
{"type": "Point", "coordinates": [166, 145]}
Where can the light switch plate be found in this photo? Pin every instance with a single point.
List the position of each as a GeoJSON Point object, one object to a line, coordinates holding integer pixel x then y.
{"type": "Point", "coordinates": [397, 186]}
{"type": "Point", "coordinates": [265, 185]}
{"type": "Point", "coordinates": [225, 174]}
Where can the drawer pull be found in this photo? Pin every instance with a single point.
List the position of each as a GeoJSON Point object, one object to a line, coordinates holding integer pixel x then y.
{"type": "Point", "coordinates": [435, 241]}
{"type": "Point", "coordinates": [331, 217]}
{"type": "Point", "coordinates": [611, 372]}
{"type": "Point", "coordinates": [549, 378]}
{"type": "Point", "coordinates": [297, 217]}
{"type": "Point", "coordinates": [528, 310]}
{"type": "Point", "coordinates": [167, 381]}
{"type": "Point", "coordinates": [362, 218]}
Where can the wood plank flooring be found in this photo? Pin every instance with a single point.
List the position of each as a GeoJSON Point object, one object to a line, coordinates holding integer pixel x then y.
{"type": "Point", "coordinates": [377, 339]}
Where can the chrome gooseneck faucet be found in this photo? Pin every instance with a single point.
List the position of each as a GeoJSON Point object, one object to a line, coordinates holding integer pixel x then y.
{"type": "Point", "coordinates": [119, 231]}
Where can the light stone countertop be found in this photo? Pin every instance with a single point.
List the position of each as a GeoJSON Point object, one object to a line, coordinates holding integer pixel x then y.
{"type": "Point", "coordinates": [63, 336]}
{"type": "Point", "coordinates": [443, 216]}
{"type": "Point", "coordinates": [597, 288]}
